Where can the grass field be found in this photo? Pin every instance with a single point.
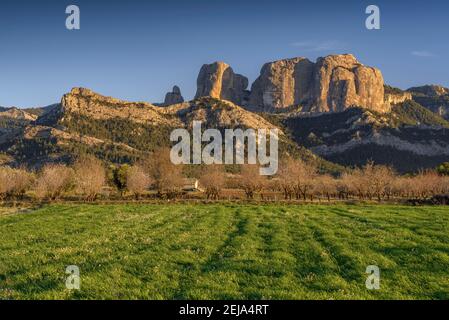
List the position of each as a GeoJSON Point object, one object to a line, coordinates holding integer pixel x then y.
{"type": "Point", "coordinates": [225, 252]}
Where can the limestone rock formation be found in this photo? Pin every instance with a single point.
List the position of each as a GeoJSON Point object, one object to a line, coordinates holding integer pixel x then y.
{"type": "Point", "coordinates": [281, 84]}
{"type": "Point", "coordinates": [89, 104]}
{"type": "Point", "coordinates": [397, 98]}
{"type": "Point", "coordinates": [218, 80]}
{"type": "Point", "coordinates": [173, 97]}
{"type": "Point", "coordinates": [332, 84]}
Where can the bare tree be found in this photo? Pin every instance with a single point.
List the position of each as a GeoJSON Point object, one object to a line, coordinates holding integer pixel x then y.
{"type": "Point", "coordinates": [213, 179]}
{"type": "Point", "coordinates": [343, 186]}
{"type": "Point", "coordinates": [167, 176]}
{"type": "Point", "coordinates": [285, 179]}
{"type": "Point", "coordinates": [378, 180]}
{"type": "Point", "coordinates": [90, 177]}
{"type": "Point", "coordinates": [427, 184]}
{"type": "Point", "coordinates": [251, 181]}
{"type": "Point", "coordinates": [302, 178]}
{"type": "Point", "coordinates": [4, 185]}
{"type": "Point", "coordinates": [20, 182]}
{"type": "Point", "coordinates": [325, 186]}
{"type": "Point", "coordinates": [137, 180]}
{"type": "Point", "coordinates": [53, 181]}
{"type": "Point", "coordinates": [356, 183]}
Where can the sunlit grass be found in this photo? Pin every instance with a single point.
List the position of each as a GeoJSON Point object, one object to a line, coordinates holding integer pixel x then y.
{"type": "Point", "coordinates": [225, 252]}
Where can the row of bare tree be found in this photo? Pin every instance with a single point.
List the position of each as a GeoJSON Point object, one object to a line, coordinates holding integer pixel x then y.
{"type": "Point", "coordinates": [301, 181]}
{"type": "Point", "coordinates": [88, 177]}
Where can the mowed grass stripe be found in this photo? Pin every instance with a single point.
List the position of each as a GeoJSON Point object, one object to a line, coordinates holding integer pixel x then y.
{"type": "Point", "coordinates": [105, 252]}
{"type": "Point", "coordinates": [225, 252]}
{"type": "Point", "coordinates": [410, 249]}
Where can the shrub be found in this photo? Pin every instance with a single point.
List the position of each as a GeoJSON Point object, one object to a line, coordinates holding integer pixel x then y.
{"type": "Point", "coordinates": [443, 169]}
{"type": "Point", "coordinates": [119, 177]}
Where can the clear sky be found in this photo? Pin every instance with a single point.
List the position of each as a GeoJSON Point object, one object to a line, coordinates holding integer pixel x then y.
{"type": "Point", "coordinates": [137, 50]}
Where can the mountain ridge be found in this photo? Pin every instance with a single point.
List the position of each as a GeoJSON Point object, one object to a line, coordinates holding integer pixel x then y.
{"type": "Point", "coordinates": [346, 121]}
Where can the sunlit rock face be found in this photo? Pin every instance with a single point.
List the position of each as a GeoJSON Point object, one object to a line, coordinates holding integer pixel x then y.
{"type": "Point", "coordinates": [218, 80]}
{"type": "Point", "coordinates": [331, 84]}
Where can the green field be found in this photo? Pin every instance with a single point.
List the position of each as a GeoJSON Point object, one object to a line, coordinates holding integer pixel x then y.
{"type": "Point", "coordinates": [225, 251]}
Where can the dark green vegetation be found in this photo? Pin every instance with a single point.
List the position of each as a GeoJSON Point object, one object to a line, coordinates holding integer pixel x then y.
{"type": "Point", "coordinates": [392, 90]}
{"type": "Point", "coordinates": [438, 104]}
{"type": "Point", "coordinates": [135, 135]}
{"type": "Point", "coordinates": [225, 252]}
{"type": "Point", "coordinates": [125, 140]}
{"type": "Point", "coordinates": [412, 114]}
{"type": "Point", "coordinates": [351, 137]}
{"type": "Point", "coordinates": [443, 169]}
{"type": "Point", "coordinates": [410, 138]}
{"type": "Point", "coordinates": [433, 97]}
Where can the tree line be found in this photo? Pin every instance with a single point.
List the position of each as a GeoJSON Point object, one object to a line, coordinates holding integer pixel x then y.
{"type": "Point", "coordinates": [89, 179]}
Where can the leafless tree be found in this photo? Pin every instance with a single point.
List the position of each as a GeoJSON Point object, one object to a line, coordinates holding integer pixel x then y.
{"type": "Point", "coordinates": [303, 175]}
{"type": "Point", "coordinates": [53, 181]}
{"type": "Point", "coordinates": [285, 179]}
{"type": "Point", "coordinates": [358, 184]}
{"type": "Point", "coordinates": [378, 179]}
{"type": "Point", "coordinates": [4, 178]}
{"type": "Point", "coordinates": [343, 186]}
{"type": "Point", "coordinates": [138, 181]}
{"type": "Point", "coordinates": [426, 184]}
{"type": "Point", "coordinates": [213, 180]}
{"type": "Point", "coordinates": [325, 186]}
{"type": "Point", "coordinates": [167, 177]}
{"type": "Point", "coordinates": [251, 181]}
{"type": "Point", "coordinates": [20, 183]}
{"type": "Point", "coordinates": [90, 177]}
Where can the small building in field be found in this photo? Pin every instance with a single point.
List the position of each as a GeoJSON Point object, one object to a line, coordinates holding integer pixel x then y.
{"type": "Point", "coordinates": [191, 184]}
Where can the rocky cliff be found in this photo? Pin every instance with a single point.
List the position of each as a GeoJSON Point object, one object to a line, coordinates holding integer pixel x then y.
{"type": "Point", "coordinates": [173, 97]}
{"type": "Point", "coordinates": [218, 80]}
{"type": "Point", "coordinates": [87, 103]}
{"type": "Point", "coordinates": [332, 84]}
{"type": "Point", "coordinates": [281, 84]}
{"type": "Point", "coordinates": [397, 98]}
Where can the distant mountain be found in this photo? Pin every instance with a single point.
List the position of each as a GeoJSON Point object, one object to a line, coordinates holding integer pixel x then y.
{"type": "Point", "coordinates": [333, 112]}
{"type": "Point", "coordinates": [433, 97]}
{"type": "Point", "coordinates": [13, 119]}
{"type": "Point", "coordinates": [39, 111]}
{"type": "Point", "coordinates": [429, 90]}
{"type": "Point", "coordinates": [18, 114]}
{"type": "Point", "coordinates": [409, 138]}
{"type": "Point", "coordinates": [119, 131]}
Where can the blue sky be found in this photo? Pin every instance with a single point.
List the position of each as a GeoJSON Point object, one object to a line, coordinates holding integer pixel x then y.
{"type": "Point", "coordinates": [137, 50]}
